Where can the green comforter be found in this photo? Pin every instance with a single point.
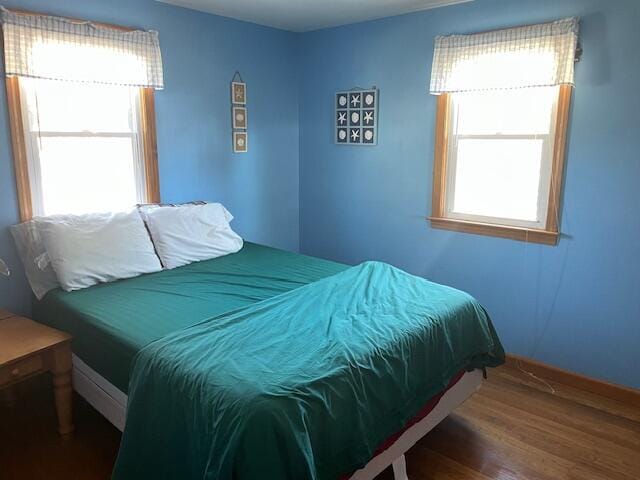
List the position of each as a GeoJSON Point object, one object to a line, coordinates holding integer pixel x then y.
{"type": "Point", "coordinates": [304, 385]}
{"type": "Point", "coordinates": [112, 322]}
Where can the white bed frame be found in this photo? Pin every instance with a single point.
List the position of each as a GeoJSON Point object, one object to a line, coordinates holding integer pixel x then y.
{"type": "Point", "coordinates": [112, 404]}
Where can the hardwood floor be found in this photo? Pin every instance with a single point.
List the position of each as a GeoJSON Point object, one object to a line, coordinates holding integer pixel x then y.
{"type": "Point", "coordinates": [514, 428]}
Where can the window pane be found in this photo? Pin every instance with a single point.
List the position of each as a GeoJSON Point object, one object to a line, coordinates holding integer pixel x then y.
{"type": "Point", "coordinates": [523, 111]}
{"type": "Point", "coordinates": [82, 175]}
{"type": "Point", "coordinates": [498, 178]}
{"type": "Point", "coordinates": [76, 107]}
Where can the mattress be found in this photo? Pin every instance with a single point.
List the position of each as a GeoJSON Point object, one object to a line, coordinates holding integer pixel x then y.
{"type": "Point", "coordinates": [112, 322]}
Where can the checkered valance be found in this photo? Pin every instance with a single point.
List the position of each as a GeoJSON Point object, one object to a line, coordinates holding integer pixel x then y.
{"type": "Point", "coordinates": [54, 48]}
{"type": "Point", "coordinates": [529, 56]}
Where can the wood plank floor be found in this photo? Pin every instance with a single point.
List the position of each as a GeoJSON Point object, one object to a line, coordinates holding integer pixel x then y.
{"type": "Point", "coordinates": [514, 428]}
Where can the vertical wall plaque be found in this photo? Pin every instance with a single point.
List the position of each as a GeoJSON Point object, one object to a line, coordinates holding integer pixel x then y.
{"type": "Point", "coordinates": [239, 120]}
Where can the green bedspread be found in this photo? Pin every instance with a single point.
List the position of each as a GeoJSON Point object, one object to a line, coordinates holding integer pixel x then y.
{"type": "Point", "coordinates": [303, 385]}
{"type": "Point", "coordinates": [111, 322]}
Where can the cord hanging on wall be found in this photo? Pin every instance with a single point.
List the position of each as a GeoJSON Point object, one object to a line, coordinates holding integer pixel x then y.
{"type": "Point", "coordinates": [239, 122]}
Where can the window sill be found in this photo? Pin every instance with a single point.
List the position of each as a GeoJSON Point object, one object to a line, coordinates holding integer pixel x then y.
{"type": "Point", "coordinates": [530, 235]}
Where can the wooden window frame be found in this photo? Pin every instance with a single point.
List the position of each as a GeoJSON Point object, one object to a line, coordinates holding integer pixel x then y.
{"type": "Point", "coordinates": [551, 233]}
{"type": "Point", "coordinates": [16, 125]}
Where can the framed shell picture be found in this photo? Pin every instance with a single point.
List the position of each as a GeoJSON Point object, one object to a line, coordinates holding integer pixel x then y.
{"type": "Point", "coordinates": [240, 141]}
{"type": "Point", "coordinates": [239, 93]}
{"type": "Point", "coordinates": [239, 118]}
{"type": "Point", "coordinates": [356, 117]}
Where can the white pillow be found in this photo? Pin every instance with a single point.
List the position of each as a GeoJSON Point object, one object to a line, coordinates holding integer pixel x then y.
{"type": "Point", "coordinates": [98, 247]}
{"type": "Point", "coordinates": [35, 259]}
{"type": "Point", "coordinates": [189, 233]}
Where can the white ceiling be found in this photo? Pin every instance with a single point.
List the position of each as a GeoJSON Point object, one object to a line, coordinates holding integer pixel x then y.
{"type": "Point", "coordinates": [305, 15]}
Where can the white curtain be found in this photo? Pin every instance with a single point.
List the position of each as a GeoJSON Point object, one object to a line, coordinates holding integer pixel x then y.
{"type": "Point", "coordinates": [529, 56]}
{"type": "Point", "coordinates": [39, 46]}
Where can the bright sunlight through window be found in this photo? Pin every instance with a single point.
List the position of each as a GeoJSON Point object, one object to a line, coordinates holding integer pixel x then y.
{"type": "Point", "coordinates": [83, 145]}
{"type": "Point", "coordinates": [500, 156]}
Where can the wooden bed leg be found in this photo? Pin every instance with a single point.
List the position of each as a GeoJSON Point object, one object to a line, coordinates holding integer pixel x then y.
{"type": "Point", "coordinates": [400, 468]}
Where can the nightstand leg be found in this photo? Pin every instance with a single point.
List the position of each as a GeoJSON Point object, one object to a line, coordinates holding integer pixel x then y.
{"type": "Point", "coordinates": [62, 390]}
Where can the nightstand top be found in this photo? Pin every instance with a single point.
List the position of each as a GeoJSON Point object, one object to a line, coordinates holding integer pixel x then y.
{"type": "Point", "coordinates": [21, 337]}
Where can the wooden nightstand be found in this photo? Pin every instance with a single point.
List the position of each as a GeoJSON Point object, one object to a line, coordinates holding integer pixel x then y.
{"type": "Point", "coordinates": [28, 348]}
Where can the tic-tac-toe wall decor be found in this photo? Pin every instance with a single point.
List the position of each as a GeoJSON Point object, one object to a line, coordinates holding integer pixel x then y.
{"type": "Point", "coordinates": [239, 122]}
{"type": "Point", "coordinates": [356, 117]}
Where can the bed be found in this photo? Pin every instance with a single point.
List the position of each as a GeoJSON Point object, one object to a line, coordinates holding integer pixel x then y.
{"type": "Point", "coordinates": [319, 343]}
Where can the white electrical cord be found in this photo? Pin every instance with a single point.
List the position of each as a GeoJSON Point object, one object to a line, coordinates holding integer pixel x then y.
{"type": "Point", "coordinates": [535, 377]}
{"type": "Point", "coordinates": [540, 336]}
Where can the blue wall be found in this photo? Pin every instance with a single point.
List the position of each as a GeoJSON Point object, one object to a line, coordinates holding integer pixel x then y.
{"type": "Point", "coordinates": [200, 53]}
{"type": "Point", "coordinates": [576, 305]}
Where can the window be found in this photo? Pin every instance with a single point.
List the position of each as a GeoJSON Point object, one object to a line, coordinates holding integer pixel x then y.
{"type": "Point", "coordinates": [82, 117]}
{"type": "Point", "coordinates": [83, 146]}
{"type": "Point", "coordinates": [500, 159]}
{"type": "Point", "coordinates": [501, 125]}
{"type": "Point", "coordinates": [500, 156]}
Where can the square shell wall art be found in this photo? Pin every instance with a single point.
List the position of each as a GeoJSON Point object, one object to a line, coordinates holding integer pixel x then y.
{"type": "Point", "coordinates": [356, 117]}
